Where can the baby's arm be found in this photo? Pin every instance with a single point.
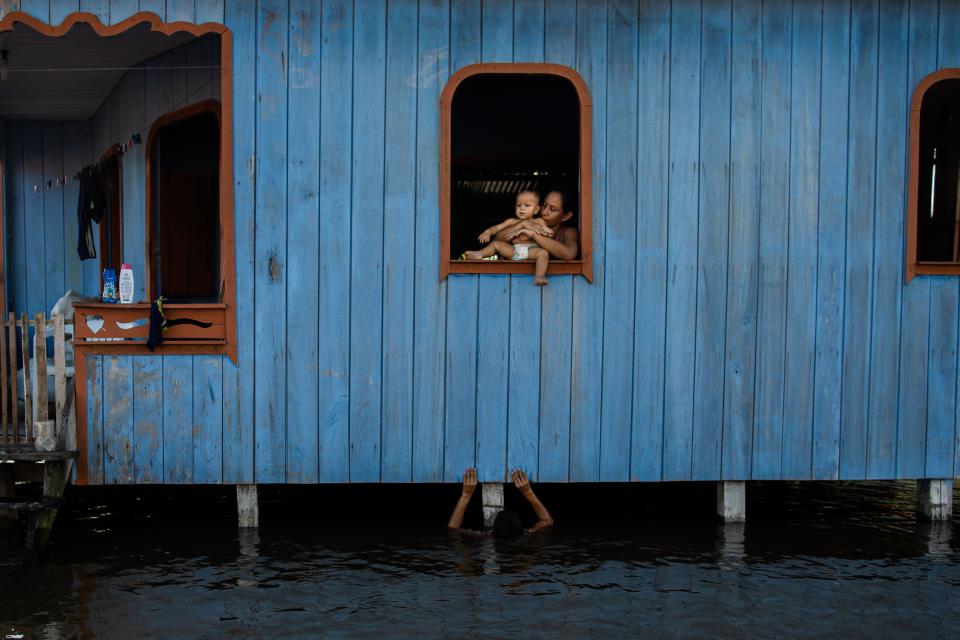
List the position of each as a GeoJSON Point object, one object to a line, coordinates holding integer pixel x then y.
{"type": "Point", "coordinates": [494, 230]}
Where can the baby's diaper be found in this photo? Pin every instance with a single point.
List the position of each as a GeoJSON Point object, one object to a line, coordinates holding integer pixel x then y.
{"type": "Point", "coordinates": [522, 251]}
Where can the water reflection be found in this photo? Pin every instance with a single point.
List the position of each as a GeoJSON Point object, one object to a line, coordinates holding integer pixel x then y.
{"type": "Point", "coordinates": [812, 560]}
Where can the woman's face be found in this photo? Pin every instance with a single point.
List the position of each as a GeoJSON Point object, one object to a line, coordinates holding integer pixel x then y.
{"type": "Point", "coordinates": [552, 210]}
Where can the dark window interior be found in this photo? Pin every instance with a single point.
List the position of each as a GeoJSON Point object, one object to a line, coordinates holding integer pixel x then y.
{"type": "Point", "coordinates": [937, 221]}
{"type": "Point", "coordinates": [186, 206]}
{"type": "Point", "coordinates": [509, 132]}
{"type": "Point", "coordinates": [111, 233]}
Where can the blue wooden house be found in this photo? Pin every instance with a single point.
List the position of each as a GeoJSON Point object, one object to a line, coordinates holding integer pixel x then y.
{"type": "Point", "coordinates": [760, 189]}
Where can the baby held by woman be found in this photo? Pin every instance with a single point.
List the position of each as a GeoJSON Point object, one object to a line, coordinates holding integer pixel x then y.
{"type": "Point", "coordinates": [519, 231]}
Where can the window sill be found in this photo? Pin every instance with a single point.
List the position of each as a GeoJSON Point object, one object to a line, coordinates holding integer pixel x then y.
{"type": "Point", "coordinates": [556, 267]}
{"type": "Point", "coordinates": [932, 269]}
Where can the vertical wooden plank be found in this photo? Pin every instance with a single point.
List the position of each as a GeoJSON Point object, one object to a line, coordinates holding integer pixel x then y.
{"type": "Point", "coordinates": [528, 30]}
{"type": "Point", "coordinates": [742, 258]}
{"type": "Point", "coordinates": [497, 30]}
{"type": "Point", "coordinates": [72, 162]}
{"type": "Point", "coordinates": [39, 9]}
{"type": "Point", "coordinates": [398, 235]}
{"type": "Point", "coordinates": [948, 56]}
{"type": "Point", "coordinates": [556, 326]}
{"type": "Point", "coordinates": [53, 215]}
{"type": "Point", "coordinates": [802, 241]}
{"type": "Point", "coordinates": [430, 297]}
{"type": "Point", "coordinates": [942, 386]}
{"type": "Point", "coordinates": [178, 420]}
{"type": "Point", "coordinates": [685, 59]}
{"type": "Point", "coordinates": [133, 174]}
{"type": "Point", "coordinates": [60, 9]}
{"type": "Point", "coordinates": [271, 268]}
{"type": "Point", "coordinates": [828, 365]}
{"type": "Point", "coordinates": [159, 7]}
{"type": "Point", "coordinates": [238, 381]}
{"type": "Point", "coordinates": [858, 294]}
{"type": "Point", "coordinates": [585, 383]}
{"type": "Point", "coordinates": [8, 387]}
{"type": "Point", "coordinates": [493, 381]}
{"type": "Point", "coordinates": [621, 233]}
{"type": "Point", "coordinates": [34, 245]}
{"type": "Point", "coordinates": [27, 380]}
{"type": "Point", "coordinates": [208, 419]}
{"type": "Point", "coordinates": [303, 134]}
{"type": "Point", "coordinates": [120, 10]}
{"type": "Point", "coordinates": [712, 239]}
{"type": "Point", "coordinates": [16, 186]}
{"type": "Point", "coordinates": [460, 428]}
{"type": "Point", "coordinates": [916, 299]}
{"type": "Point", "coordinates": [651, 255]}
{"type": "Point", "coordinates": [94, 420]}
{"type": "Point", "coordinates": [209, 11]}
{"type": "Point", "coordinates": [118, 442]}
{"type": "Point", "coordinates": [40, 362]}
{"type": "Point", "coordinates": [165, 100]}
{"type": "Point", "coordinates": [60, 370]}
{"type": "Point", "coordinates": [148, 419]}
{"type": "Point", "coordinates": [461, 434]}
{"type": "Point", "coordinates": [774, 194]}
{"type": "Point", "coordinates": [14, 409]}
{"type": "Point", "coordinates": [523, 395]}
{"type": "Point", "coordinates": [366, 239]}
{"type": "Point", "coordinates": [180, 10]}
{"type": "Point", "coordinates": [336, 94]}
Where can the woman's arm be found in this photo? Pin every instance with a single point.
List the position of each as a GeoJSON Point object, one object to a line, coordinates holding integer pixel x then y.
{"type": "Point", "coordinates": [544, 519]}
{"type": "Point", "coordinates": [566, 250]}
{"type": "Point", "coordinates": [469, 484]}
{"type": "Point", "coordinates": [494, 230]}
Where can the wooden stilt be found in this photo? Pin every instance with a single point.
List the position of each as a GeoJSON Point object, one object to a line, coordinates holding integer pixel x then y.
{"type": "Point", "coordinates": [248, 510]}
{"type": "Point", "coordinates": [935, 499]}
{"type": "Point", "coordinates": [732, 501]}
{"type": "Point", "coordinates": [492, 493]}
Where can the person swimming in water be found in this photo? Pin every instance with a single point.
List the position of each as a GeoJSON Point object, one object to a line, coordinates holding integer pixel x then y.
{"type": "Point", "coordinates": [507, 523]}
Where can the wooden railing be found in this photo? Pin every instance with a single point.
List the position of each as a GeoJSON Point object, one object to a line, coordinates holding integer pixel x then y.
{"type": "Point", "coordinates": [18, 423]}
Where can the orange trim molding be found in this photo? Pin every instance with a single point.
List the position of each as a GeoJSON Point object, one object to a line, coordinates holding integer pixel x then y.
{"type": "Point", "coordinates": [583, 266]}
{"type": "Point", "coordinates": [914, 268]}
{"type": "Point", "coordinates": [227, 244]}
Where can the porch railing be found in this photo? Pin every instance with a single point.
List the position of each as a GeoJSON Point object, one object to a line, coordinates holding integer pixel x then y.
{"type": "Point", "coordinates": [25, 380]}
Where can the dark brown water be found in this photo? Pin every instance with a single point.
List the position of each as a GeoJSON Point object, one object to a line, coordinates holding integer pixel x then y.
{"type": "Point", "coordinates": [814, 560]}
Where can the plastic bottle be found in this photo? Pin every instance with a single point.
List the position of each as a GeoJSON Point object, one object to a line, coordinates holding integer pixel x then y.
{"type": "Point", "coordinates": [126, 283]}
{"type": "Point", "coordinates": [109, 286]}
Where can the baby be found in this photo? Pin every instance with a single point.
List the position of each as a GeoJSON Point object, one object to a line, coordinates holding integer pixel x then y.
{"type": "Point", "coordinates": [526, 208]}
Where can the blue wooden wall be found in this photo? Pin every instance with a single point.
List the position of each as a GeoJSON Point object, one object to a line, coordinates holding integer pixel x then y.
{"type": "Point", "coordinates": [748, 317]}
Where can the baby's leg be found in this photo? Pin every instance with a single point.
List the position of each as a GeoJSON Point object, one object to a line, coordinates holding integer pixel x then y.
{"type": "Point", "coordinates": [540, 270]}
{"type": "Point", "coordinates": [486, 252]}
{"type": "Point", "coordinates": [505, 249]}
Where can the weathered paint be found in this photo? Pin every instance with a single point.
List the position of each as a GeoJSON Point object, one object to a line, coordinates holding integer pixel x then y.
{"type": "Point", "coordinates": [747, 319]}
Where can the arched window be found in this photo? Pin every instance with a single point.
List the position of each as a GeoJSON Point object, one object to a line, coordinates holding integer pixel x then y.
{"type": "Point", "coordinates": [933, 223]}
{"type": "Point", "coordinates": [505, 128]}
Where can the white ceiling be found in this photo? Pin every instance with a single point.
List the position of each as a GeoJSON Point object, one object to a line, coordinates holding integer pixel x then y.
{"type": "Point", "coordinates": [68, 77]}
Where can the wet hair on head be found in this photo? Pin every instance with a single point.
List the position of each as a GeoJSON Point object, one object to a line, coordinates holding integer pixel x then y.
{"type": "Point", "coordinates": [507, 524]}
{"type": "Point", "coordinates": [532, 191]}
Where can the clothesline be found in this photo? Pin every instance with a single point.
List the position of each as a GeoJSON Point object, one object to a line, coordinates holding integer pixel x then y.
{"type": "Point", "coordinates": [136, 138]}
{"type": "Point", "coordinates": [78, 69]}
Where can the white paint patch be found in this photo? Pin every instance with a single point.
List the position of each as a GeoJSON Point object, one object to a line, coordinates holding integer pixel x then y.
{"type": "Point", "coordinates": [428, 72]}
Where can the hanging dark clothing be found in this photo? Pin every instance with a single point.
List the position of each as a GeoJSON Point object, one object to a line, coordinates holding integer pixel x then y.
{"type": "Point", "coordinates": [91, 207]}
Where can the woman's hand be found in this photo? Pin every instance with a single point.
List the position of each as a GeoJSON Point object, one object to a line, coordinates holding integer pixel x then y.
{"type": "Point", "coordinates": [521, 483]}
{"type": "Point", "coordinates": [469, 482]}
